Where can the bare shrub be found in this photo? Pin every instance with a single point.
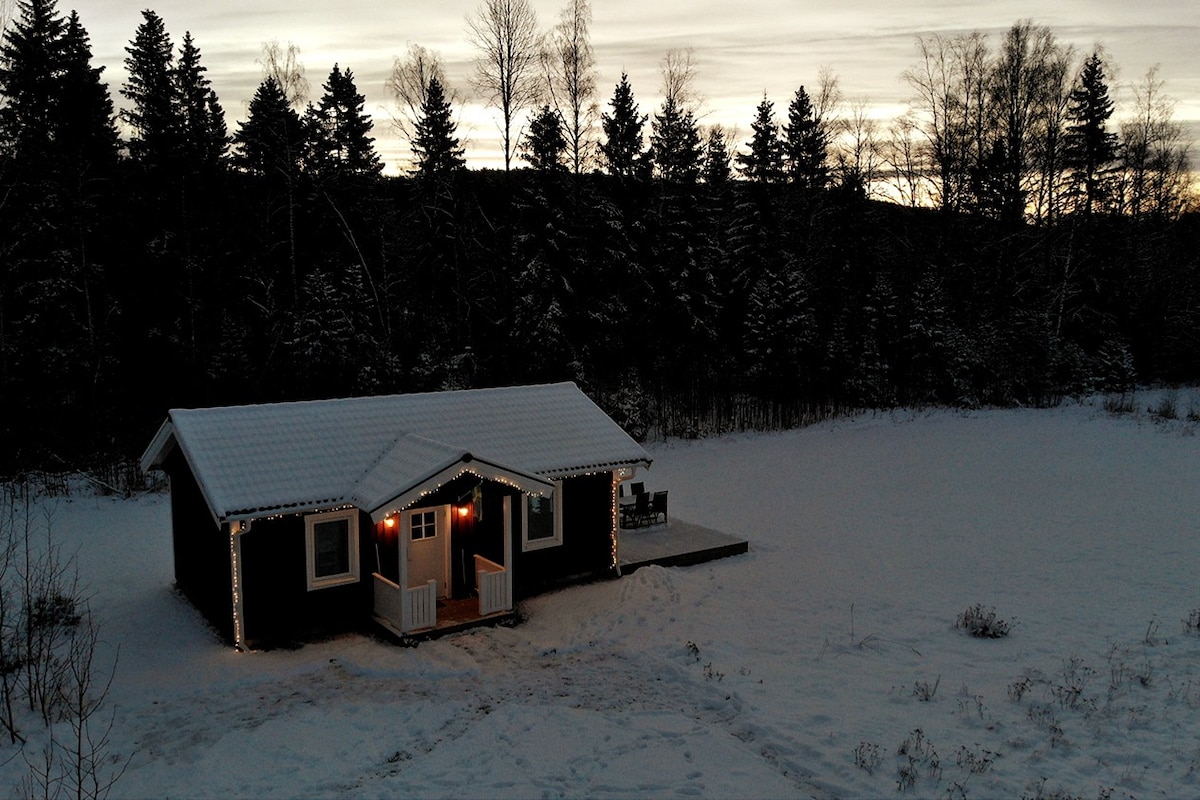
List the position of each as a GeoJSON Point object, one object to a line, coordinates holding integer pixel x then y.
{"type": "Point", "coordinates": [49, 659]}
{"type": "Point", "coordinates": [867, 757]}
{"type": "Point", "coordinates": [925, 691]}
{"type": "Point", "coordinates": [919, 759]}
{"type": "Point", "coordinates": [1167, 408]}
{"type": "Point", "coordinates": [1118, 404]}
{"type": "Point", "coordinates": [982, 623]}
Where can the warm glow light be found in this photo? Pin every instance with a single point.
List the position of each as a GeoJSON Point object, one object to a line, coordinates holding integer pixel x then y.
{"type": "Point", "coordinates": [463, 511]}
{"type": "Point", "coordinates": [389, 522]}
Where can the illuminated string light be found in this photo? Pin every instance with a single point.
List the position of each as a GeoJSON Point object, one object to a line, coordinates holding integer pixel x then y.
{"type": "Point", "coordinates": [236, 570]}
{"type": "Point", "coordinates": [615, 532]}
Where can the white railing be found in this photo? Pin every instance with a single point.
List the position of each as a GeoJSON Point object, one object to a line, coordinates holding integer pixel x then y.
{"type": "Point", "coordinates": [494, 585]}
{"type": "Point", "coordinates": [387, 601]}
{"type": "Point", "coordinates": [420, 607]}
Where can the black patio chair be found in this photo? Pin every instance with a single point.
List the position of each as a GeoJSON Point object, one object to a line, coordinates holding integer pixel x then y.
{"type": "Point", "coordinates": [641, 510]}
{"type": "Point", "coordinates": [637, 488]}
{"type": "Point", "coordinates": [658, 505]}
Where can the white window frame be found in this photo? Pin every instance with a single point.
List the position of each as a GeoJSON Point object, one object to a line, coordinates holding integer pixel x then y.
{"type": "Point", "coordinates": [326, 581]}
{"type": "Point", "coordinates": [424, 525]}
{"type": "Point", "coordinates": [550, 541]}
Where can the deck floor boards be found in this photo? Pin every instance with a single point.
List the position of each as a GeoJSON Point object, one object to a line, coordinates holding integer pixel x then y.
{"type": "Point", "coordinates": [675, 543]}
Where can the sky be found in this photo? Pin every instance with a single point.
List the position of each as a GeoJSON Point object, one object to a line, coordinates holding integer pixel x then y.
{"type": "Point", "coordinates": [741, 51]}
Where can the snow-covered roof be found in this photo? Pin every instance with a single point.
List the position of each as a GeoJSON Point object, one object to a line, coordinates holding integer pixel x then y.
{"type": "Point", "coordinates": [375, 451]}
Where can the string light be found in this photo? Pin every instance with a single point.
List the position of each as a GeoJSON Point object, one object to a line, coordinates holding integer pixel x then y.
{"type": "Point", "coordinates": [236, 568]}
{"type": "Point", "coordinates": [615, 532]}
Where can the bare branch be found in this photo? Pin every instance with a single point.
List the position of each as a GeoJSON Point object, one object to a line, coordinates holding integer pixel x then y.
{"type": "Point", "coordinates": [409, 86]}
{"type": "Point", "coordinates": [679, 78]}
{"type": "Point", "coordinates": [284, 65]}
{"type": "Point", "coordinates": [504, 32]}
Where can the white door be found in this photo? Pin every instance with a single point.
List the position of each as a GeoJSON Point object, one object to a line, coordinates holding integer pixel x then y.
{"type": "Point", "coordinates": [427, 534]}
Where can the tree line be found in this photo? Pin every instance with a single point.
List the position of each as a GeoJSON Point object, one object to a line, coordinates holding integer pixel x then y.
{"type": "Point", "coordinates": [1006, 242]}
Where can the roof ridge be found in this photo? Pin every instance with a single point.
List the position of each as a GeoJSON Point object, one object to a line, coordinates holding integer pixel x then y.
{"type": "Point", "coordinates": [369, 397]}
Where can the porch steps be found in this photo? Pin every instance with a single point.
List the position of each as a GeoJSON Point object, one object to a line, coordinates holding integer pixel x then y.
{"type": "Point", "coordinates": [453, 616]}
{"type": "Point", "coordinates": [675, 543]}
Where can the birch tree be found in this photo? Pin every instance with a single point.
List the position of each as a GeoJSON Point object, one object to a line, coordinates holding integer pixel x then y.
{"type": "Point", "coordinates": [570, 65]}
{"type": "Point", "coordinates": [505, 34]}
{"type": "Point", "coordinates": [409, 84]}
{"type": "Point", "coordinates": [283, 65]}
{"type": "Point", "coordinates": [1156, 160]}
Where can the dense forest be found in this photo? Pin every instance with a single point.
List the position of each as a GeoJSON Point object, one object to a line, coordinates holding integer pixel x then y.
{"type": "Point", "coordinates": [1007, 243]}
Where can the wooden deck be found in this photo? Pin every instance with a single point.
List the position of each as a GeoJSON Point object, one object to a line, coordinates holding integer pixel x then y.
{"type": "Point", "coordinates": [675, 543]}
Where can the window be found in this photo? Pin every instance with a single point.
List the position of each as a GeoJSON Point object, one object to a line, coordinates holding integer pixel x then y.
{"type": "Point", "coordinates": [542, 521]}
{"type": "Point", "coordinates": [423, 525]}
{"type": "Point", "coordinates": [332, 548]}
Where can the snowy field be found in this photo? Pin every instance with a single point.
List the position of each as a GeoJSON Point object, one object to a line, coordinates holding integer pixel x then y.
{"type": "Point", "coordinates": [824, 663]}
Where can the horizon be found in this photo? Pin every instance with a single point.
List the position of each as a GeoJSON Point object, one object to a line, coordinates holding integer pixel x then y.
{"type": "Point", "coordinates": [762, 49]}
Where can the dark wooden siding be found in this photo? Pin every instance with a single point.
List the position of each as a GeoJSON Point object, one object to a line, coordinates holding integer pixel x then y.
{"type": "Point", "coordinates": [279, 609]}
{"type": "Point", "coordinates": [586, 549]}
{"type": "Point", "coordinates": [201, 549]}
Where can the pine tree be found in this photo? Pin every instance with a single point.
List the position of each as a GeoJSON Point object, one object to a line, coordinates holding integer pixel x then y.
{"type": "Point", "coordinates": [779, 330]}
{"type": "Point", "coordinates": [151, 89]}
{"type": "Point", "coordinates": [545, 145]}
{"type": "Point", "coordinates": [805, 145]}
{"type": "Point", "coordinates": [85, 134]}
{"type": "Point", "coordinates": [437, 150]}
{"type": "Point", "coordinates": [339, 130]}
{"type": "Point", "coordinates": [1090, 146]}
{"type": "Point", "coordinates": [675, 150]}
{"type": "Point", "coordinates": [270, 140]}
{"type": "Point", "coordinates": [57, 116]}
{"type": "Point", "coordinates": [622, 147]}
{"type": "Point", "coordinates": [203, 134]}
{"type": "Point", "coordinates": [30, 67]}
{"type": "Point", "coordinates": [764, 162]}
{"type": "Point", "coordinates": [716, 170]}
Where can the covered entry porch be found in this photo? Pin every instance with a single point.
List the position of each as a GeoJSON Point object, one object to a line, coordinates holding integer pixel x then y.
{"type": "Point", "coordinates": [446, 561]}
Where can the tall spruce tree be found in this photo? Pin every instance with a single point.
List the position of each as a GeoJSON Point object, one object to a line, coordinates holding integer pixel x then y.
{"type": "Point", "coordinates": [805, 144]}
{"type": "Point", "coordinates": [269, 141]}
{"type": "Point", "coordinates": [436, 148]}
{"type": "Point", "coordinates": [204, 137]}
{"type": "Point", "coordinates": [85, 134]}
{"type": "Point", "coordinates": [339, 130]}
{"type": "Point", "coordinates": [675, 149]}
{"type": "Point", "coordinates": [764, 161]}
{"type": "Point", "coordinates": [623, 147]}
{"type": "Point", "coordinates": [57, 116]}
{"type": "Point", "coordinates": [151, 90]}
{"type": "Point", "coordinates": [717, 160]}
{"type": "Point", "coordinates": [30, 68]}
{"type": "Point", "coordinates": [1090, 147]}
{"type": "Point", "coordinates": [545, 146]}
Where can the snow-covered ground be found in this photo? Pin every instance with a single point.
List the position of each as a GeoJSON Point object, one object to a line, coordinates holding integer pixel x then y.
{"type": "Point", "coordinates": [824, 663]}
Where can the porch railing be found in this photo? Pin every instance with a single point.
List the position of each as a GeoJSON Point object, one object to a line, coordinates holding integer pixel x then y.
{"type": "Point", "coordinates": [387, 601]}
{"type": "Point", "coordinates": [494, 585]}
{"type": "Point", "coordinates": [420, 607]}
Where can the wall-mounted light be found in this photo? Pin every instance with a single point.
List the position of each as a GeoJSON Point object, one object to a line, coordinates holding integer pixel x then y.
{"type": "Point", "coordinates": [463, 511]}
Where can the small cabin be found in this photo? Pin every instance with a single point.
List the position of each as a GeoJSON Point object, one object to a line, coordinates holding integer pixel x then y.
{"type": "Point", "coordinates": [415, 513]}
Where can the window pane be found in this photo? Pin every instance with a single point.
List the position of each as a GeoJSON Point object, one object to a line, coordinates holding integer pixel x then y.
{"type": "Point", "coordinates": [540, 522]}
{"type": "Point", "coordinates": [424, 525]}
{"type": "Point", "coordinates": [331, 548]}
